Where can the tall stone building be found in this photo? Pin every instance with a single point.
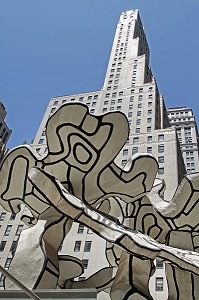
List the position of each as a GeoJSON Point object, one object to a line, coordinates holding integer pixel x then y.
{"type": "Point", "coordinates": [131, 88]}
{"type": "Point", "coordinates": [186, 127]}
{"type": "Point", "coordinates": [5, 132]}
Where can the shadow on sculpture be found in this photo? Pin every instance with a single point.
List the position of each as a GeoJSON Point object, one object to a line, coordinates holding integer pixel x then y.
{"type": "Point", "coordinates": [78, 181]}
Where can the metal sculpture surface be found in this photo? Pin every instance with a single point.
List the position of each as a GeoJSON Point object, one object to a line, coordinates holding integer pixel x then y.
{"type": "Point", "coordinates": [78, 181]}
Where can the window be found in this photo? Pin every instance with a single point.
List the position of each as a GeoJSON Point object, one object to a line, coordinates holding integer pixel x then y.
{"type": "Point", "coordinates": [85, 263]}
{"type": "Point", "coordinates": [119, 100]}
{"type": "Point", "coordinates": [104, 109]}
{"type": "Point", "coordinates": [63, 101]}
{"type": "Point", "coordinates": [2, 280]}
{"type": "Point", "coordinates": [81, 278]}
{"type": "Point", "coordinates": [121, 93]}
{"type": "Point", "coordinates": [189, 153]}
{"type": "Point", "coordinates": [53, 109]}
{"type": "Point", "coordinates": [87, 246]}
{"type": "Point", "coordinates": [187, 131]}
{"type": "Point", "coordinates": [81, 98]}
{"type": "Point", "coordinates": [140, 97]}
{"type": "Point", "coordinates": [139, 105]}
{"type": "Point", "coordinates": [92, 111]}
{"type": "Point", "coordinates": [110, 81]}
{"type": "Point", "coordinates": [139, 113]}
{"type": "Point", "coordinates": [8, 229]}
{"type": "Point", "coordinates": [2, 246]}
{"type": "Point", "coordinates": [149, 104]}
{"type": "Point", "coordinates": [94, 104]}
{"type": "Point", "coordinates": [13, 247]}
{"type": "Point", "coordinates": [43, 133]}
{"type": "Point", "coordinates": [2, 216]}
{"type": "Point", "coordinates": [133, 91]}
{"type": "Point", "coordinates": [159, 284]}
{"type": "Point", "coordinates": [107, 95]}
{"type": "Point", "coordinates": [149, 149]}
{"type": "Point", "coordinates": [149, 138]}
{"type": "Point", "coordinates": [80, 228]}
{"type": "Point", "coordinates": [149, 111]}
{"type": "Point", "coordinates": [149, 120]}
{"type": "Point", "coordinates": [160, 148]}
{"type": "Point", "coordinates": [188, 140]}
{"type": "Point", "coordinates": [190, 158]}
{"type": "Point", "coordinates": [148, 129]}
{"type": "Point", "coordinates": [112, 108]}
{"type": "Point", "coordinates": [106, 102]}
{"type": "Point", "coordinates": [8, 262]}
{"type": "Point", "coordinates": [89, 97]}
{"type": "Point", "coordinates": [41, 141]}
{"type": "Point", "coordinates": [137, 130]}
{"type": "Point", "coordinates": [73, 99]}
{"type": "Point", "coordinates": [124, 161]}
{"type": "Point", "coordinates": [19, 229]}
{"type": "Point", "coordinates": [131, 106]}
{"type": "Point", "coordinates": [12, 217]}
{"type": "Point", "coordinates": [159, 264]}
{"type": "Point", "coordinates": [150, 96]}
{"type": "Point", "coordinates": [135, 150]}
{"type": "Point", "coordinates": [119, 107]}
{"type": "Point", "coordinates": [77, 246]}
{"type": "Point", "coordinates": [161, 137]}
{"type": "Point", "coordinates": [140, 90]}
{"type": "Point", "coordinates": [161, 171]}
{"type": "Point", "coordinates": [112, 101]}
{"type": "Point", "coordinates": [135, 140]}
{"type": "Point", "coordinates": [125, 151]}
{"type": "Point", "coordinates": [55, 103]}
{"type": "Point", "coordinates": [114, 95]}
{"type": "Point", "coordinates": [130, 114]}
{"type": "Point", "coordinates": [160, 159]}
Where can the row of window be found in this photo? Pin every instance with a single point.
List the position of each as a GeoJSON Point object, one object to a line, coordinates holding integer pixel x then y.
{"type": "Point", "coordinates": [9, 228]}
{"type": "Point", "coordinates": [3, 215]}
{"type": "Point", "coordinates": [12, 248]}
{"type": "Point", "coordinates": [160, 170]}
{"type": "Point", "coordinates": [90, 97]}
{"type": "Point", "coordinates": [87, 246]}
{"type": "Point", "coordinates": [148, 150]}
{"type": "Point", "coordinates": [81, 229]}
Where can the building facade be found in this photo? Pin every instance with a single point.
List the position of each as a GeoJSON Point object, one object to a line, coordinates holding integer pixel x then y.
{"type": "Point", "coordinates": [5, 132]}
{"type": "Point", "coordinates": [131, 88]}
{"type": "Point", "coordinates": [186, 127]}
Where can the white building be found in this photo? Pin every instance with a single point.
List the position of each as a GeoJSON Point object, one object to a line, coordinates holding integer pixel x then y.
{"type": "Point", "coordinates": [130, 87]}
{"type": "Point", "coordinates": [186, 127]}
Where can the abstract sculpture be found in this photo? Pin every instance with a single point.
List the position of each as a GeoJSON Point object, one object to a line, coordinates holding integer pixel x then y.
{"type": "Point", "coordinates": [78, 181]}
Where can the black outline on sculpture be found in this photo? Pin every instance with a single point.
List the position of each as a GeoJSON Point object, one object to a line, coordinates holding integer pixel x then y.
{"type": "Point", "coordinates": [130, 186]}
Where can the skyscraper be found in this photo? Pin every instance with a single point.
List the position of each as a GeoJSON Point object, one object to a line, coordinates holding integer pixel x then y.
{"type": "Point", "coordinates": [5, 132]}
{"type": "Point", "coordinates": [131, 88]}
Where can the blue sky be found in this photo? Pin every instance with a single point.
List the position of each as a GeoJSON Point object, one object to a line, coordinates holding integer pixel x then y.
{"type": "Point", "coordinates": [59, 47]}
